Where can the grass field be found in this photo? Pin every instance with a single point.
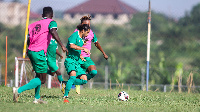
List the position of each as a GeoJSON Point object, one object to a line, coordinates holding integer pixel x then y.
{"type": "Point", "coordinates": [99, 100]}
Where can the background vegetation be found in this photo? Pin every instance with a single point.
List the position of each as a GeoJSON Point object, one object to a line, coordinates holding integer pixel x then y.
{"type": "Point", "coordinates": [174, 48]}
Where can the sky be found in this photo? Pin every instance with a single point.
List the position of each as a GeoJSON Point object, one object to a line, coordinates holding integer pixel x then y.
{"type": "Point", "coordinates": [172, 8]}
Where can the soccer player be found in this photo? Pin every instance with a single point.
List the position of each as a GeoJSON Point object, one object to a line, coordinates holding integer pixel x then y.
{"type": "Point", "coordinates": [52, 50]}
{"type": "Point", "coordinates": [40, 34]}
{"type": "Point", "coordinates": [89, 65]}
{"type": "Point", "coordinates": [77, 75]}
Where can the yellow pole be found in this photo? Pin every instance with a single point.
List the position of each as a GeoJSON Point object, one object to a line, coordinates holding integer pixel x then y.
{"type": "Point", "coordinates": [26, 31]}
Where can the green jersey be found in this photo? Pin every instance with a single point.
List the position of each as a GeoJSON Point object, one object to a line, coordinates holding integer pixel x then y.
{"type": "Point", "coordinates": [77, 40]}
{"type": "Point", "coordinates": [51, 50]}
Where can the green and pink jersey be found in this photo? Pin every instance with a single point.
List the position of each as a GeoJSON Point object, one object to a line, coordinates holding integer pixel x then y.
{"type": "Point", "coordinates": [39, 35]}
{"type": "Point", "coordinates": [89, 39]}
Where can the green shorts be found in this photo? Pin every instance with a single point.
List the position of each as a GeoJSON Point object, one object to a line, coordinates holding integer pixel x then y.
{"type": "Point", "coordinates": [87, 63]}
{"type": "Point", "coordinates": [73, 65]}
{"type": "Point", "coordinates": [52, 64]}
{"type": "Point", "coordinates": [38, 60]}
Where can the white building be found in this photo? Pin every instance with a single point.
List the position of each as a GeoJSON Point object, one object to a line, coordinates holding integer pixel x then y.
{"type": "Point", "coordinates": [102, 11]}
{"type": "Point", "coordinates": [12, 13]}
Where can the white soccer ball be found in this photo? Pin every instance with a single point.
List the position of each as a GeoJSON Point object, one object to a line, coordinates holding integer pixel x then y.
{"type": "Point", "coordinates": [123, 96]}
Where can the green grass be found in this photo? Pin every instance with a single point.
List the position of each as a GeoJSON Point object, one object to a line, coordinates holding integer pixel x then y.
{"type": "Point", "coordinates": [99, 100]}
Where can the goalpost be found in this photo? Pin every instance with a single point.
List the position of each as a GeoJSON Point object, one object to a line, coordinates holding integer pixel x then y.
{"type": "Point", "coordinates": [24, 73]}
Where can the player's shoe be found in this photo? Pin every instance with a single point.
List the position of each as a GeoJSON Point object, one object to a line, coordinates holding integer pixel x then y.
{"type": "Point", "coordinates": [65, 99]}
{"type": "Point", "coordinates": [40, 101]}
{"type": "Point", "coordinates": [78, 89]}
{"type": "Point", "coordinates": [15, 94]}
{"type": "Point", "coordinates": [63, 86]}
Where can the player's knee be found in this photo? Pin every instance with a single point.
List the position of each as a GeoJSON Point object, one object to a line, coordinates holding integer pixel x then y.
{"type": "Point", "coordinates": [93, 72]}
{"type": "Point", "coordinates": [84, 81]}
{"type": "Point", "coordinates": [58, 72]}
{"type": "Point", "coordinates": [43, 81]}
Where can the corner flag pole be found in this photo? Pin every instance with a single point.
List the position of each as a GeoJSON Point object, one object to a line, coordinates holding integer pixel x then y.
{"type": "Point", "coordinates": [26, 30]}
{"type": "Point", "coordinates": [148, 45]}
{"type": "Point", "coordinates": [6, 61]}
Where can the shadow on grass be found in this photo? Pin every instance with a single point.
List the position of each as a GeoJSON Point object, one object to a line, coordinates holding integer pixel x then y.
{"type": "Point", "coordinates": [48, 96]}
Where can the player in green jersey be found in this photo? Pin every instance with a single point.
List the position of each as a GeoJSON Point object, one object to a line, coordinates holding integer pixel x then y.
{"type": "Point", "coordinates": [88, 65]}
{"type": "Point", "coordinates": [77, 75]}
{"type": "Point", "coordinates": [52, 50]}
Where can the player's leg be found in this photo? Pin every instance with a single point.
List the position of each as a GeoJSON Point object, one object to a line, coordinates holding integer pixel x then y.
{"type": "Point", "coordinates": [70, 66]}
{"type": "Point", "coordinates": [37, 99]}
{"type": "Point", "coordinates": [38, 60]}
{"type": "Point", "coordinates": [59, 76]}
{"type": "Point", "coordinates": [69, 83]}
{"type": "Point", "coordinates": [91, 71]}
{"type": "Point", "coordinates": [80, 81]}
{"type": "Point", "coordinates": [81, 78]}
{"type": "Point", "coordinates": [91, 68]}
{"type": "Point", "coordinates": [54, 69]}
{"type": "Point", "coordinates": [32, 84]}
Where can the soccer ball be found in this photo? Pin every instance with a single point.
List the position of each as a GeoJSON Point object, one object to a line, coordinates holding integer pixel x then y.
{"type": "Point", "coordinates": [123, 96]}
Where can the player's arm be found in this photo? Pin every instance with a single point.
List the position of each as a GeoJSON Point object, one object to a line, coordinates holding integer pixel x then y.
{"type": "Point", "coordinates": [53, 31]}
{"type": "Point", "coordinates": [56, 37]}
{"type": "Point", "coordinates": [28, 40]}
{"type": "Point", "coordinates": [73, 46]}
{"type": "Point", "coordinates": [58, 53]}
{"type": "Point", "coordinates": [82, 58]}
{"type": "Point", "coordinates": [97, 44]}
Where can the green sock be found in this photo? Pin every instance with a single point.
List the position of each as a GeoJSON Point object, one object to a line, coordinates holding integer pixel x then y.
{"type": "Point", "coordinates": [80, 82]}
{"type": "Point", "coordinates": [37, 92]}
{"type": "Point", "coordinates": [32, 84]}
{"type": "Point", "coordinates": [60, 79]}
{"type": "Point", "coordinates": [69, 84]}
{"type": "Point", "coordinates": [91, 74]}
{"type": "Point", "coordinates": [49, 72]}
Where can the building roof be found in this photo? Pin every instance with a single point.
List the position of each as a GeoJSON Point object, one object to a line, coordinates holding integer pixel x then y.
{"type": "Point", "coordinates": [34, 15]}
{"type": "Point", "coordinates": [103, 7]}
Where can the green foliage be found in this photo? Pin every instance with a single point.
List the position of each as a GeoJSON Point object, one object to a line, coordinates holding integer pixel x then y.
{"type": "Point", "coordinates": [172, 42]}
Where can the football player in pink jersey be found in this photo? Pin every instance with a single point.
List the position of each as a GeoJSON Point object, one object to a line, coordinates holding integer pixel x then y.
{"type": "Point", "coordinates": [40, 34]}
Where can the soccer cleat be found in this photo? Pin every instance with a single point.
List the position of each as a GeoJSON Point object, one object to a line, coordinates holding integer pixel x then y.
{"type": "Point", "coordinates": [65, 99]}
{"type": "Point", "coordinates": [63, 86]}
{"type": "Point", "coordinates": [15, 94]}
{"type": "Point", "coordinates": [78, 91]}
{"type": "Point", "coordinates": [40, 101]}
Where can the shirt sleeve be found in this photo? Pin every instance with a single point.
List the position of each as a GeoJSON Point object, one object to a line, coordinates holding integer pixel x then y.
{"type": "Point", "coordinates": [94, 38]}
{"type": "Point", "coordinates": [52, 24]}
{"type": "Point", "coordinates": [72, 39]}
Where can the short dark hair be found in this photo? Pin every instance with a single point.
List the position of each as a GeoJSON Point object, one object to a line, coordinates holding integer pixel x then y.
{"type": "Point", "coordinates": [85, 18]}
{"type": "Point", "coordinates": [47, 10]}
{"type": "Point", "coordinates": [81, 27]}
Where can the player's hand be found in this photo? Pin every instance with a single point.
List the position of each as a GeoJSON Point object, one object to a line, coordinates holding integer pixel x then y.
{"type": "Point", "coordinates": [61, 57]}
{"type": "Point", "coordinates": [85, 41]}
{"type": "Point", "coordinates": [64, 49]}
{"type": "Point", "coordinates": [87, 51]}
{"type": "Point", "coordinates": [82, 58]}
{"type": "Point", "coordinates": [105, 56]}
